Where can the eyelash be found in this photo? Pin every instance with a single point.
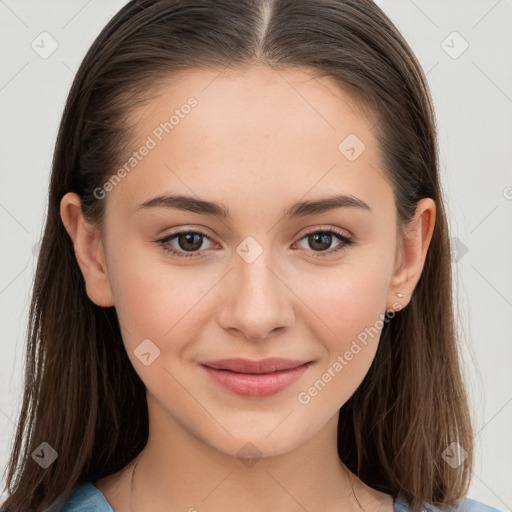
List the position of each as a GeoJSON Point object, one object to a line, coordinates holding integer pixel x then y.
{"type": "Point", "coordinates": [164, 243]}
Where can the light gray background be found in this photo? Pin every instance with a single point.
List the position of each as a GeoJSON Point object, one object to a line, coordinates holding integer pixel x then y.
{"type": "Point", "coordinates": [473, 97]}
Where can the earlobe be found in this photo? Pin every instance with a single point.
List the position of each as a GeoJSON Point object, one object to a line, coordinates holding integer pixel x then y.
{"type": "Point", "coordinates": [413, 252]}
{"type": "Point", "coordinates": [88, 249]}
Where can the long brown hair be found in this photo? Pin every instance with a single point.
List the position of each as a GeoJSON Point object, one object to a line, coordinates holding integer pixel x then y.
{"type": "Point", "coordinates": [80, 388]}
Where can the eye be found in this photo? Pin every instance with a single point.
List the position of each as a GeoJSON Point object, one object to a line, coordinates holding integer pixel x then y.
{"type": "Point", "coordinates": [188, 242]}
{"type": "Point", "coordinates": [321, 239]}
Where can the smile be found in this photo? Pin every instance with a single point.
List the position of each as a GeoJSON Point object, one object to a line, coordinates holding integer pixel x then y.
{"type": "Point", "coordinates": [257, 379]}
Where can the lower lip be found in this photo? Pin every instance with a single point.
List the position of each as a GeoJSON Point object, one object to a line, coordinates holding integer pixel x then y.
{"type": "Point", "coordinates": [256, 385]}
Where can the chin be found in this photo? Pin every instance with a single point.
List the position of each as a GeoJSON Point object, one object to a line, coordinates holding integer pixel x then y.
{"type": "Point", "coordinates": [258, 440]}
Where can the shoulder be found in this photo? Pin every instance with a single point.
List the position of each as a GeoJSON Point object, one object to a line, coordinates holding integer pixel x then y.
{"type": "Point", "coordinates": [87, 498]}
{"type": "Point", "coordinates": [471, 505]}
{"type": "Point", "coordinates": [463, 505]}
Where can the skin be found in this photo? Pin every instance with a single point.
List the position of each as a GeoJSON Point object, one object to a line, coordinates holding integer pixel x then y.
{"type": "Point", "coordinates": [258, 141]}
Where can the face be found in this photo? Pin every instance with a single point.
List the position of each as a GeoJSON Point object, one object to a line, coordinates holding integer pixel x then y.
{"type": "Point", "coordinates": [264, 280]}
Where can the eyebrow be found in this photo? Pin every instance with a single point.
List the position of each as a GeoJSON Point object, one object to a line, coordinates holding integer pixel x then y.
{"type": "Point", "coordinates": [299, 209]}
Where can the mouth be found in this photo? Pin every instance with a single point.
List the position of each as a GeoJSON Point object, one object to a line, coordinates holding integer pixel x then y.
{"type": "Point", "coordinates": [256, 379]}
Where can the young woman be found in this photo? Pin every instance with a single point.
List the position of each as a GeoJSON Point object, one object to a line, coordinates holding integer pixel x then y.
{"type": "Point", "coordinates": [243, 294]}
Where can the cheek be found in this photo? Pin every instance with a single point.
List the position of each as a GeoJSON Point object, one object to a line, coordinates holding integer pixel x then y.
{"type": "Point", "coordinates": [345, 300]}
{"type": "Point", "coordinates": [348, 306]}
{"type": "Point", "coordinates": [350, 353]}
{"type": "Point", "coordinates": [153, 299]}
{"type": "Point", "coordinates": [161, 303]}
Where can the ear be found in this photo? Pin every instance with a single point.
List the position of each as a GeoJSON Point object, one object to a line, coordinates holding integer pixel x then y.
{"type": "Point", "coordinates": [88, 250]}
{"type": "Point", "coordinates": [411, 254]}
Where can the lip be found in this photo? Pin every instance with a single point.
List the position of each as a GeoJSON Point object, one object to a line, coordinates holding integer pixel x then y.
{"type": "Point", "coordinates": [257, 379]}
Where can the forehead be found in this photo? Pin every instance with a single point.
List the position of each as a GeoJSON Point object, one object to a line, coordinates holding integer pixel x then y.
{"type": "Point", "coordinates": [250, 133]}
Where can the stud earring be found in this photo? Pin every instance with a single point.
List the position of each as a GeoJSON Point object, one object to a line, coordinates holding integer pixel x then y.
{"type": "Point", "coordinates": [399, 294]}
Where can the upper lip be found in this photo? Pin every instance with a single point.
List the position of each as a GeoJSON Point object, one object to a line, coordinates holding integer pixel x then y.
{"type": "Point", "coordinates": [239, 365]}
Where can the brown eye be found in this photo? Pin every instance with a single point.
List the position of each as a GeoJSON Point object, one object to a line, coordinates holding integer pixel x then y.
{"type": "Point", "coordinates": [321, 240]}
{"type": "Point", "coordinates": [189, 241]}
{"type": "Point", "coordinates": [184, 242]}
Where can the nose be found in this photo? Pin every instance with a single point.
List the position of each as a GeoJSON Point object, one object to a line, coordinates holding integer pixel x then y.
{"type": "Point", "coordinates": [257, 301]}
